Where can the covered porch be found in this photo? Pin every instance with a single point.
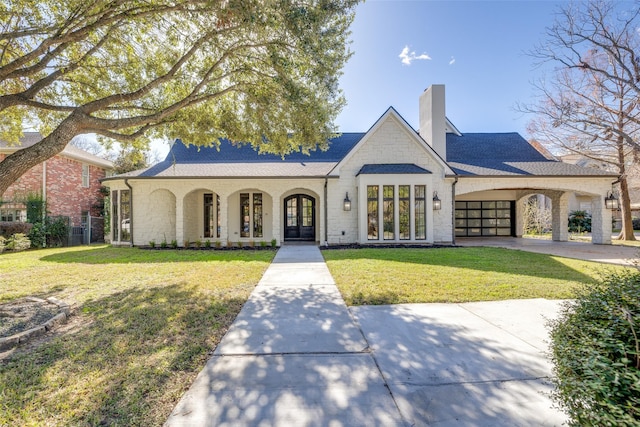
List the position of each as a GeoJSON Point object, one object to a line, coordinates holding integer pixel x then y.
{"type": "Point", "coordinates": [222, 212]}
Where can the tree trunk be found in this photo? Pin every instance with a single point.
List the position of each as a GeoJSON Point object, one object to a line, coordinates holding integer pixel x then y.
{"type": "Point", "coordinates": [626, 233]}
{"type": "Point", "coordinates": [18, 163]}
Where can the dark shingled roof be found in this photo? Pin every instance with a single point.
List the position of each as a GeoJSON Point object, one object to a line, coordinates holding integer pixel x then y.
{"type": "Point", "coordinates": [229, 153]}
{"type": "Point", "coordinates": [471, 148]}
{"type": "Point", "coordinates": [243, 161]}
{"type": "Point", "coordinates": [391, 168]}
{"type": "Point", "coordinates": [471, 154]}
{"type": "Point", "coordinates": [506, 154]}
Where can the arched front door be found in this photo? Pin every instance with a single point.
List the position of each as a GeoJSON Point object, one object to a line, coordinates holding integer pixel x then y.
{"type": "Point", "coordinates": [300, 217]}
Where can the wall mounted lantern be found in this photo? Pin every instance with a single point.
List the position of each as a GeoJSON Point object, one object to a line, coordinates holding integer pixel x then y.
{"type": "Point", "coordinates": [347, 203]}
{"type": "Point", "coordinates": [611, 201]}
{"type": "Point", "coordinates": [437, 204]}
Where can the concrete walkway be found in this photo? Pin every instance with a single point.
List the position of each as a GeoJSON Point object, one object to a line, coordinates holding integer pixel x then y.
{"type": "Point", "coordinates": [296, 356]}
{"type": "Point", "coordinates": [293, 357]}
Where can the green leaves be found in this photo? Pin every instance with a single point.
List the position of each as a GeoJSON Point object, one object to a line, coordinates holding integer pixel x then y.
{"type": "Point", "coordinates": [258, 72]}
{"type": "Point", "coordinates": [595, 353]}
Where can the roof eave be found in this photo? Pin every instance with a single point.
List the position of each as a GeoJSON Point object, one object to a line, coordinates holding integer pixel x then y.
{"type": "Point", "coordinates": [115, 178]}
{"type": "Point", "coordinates": [536, 176]}
{"type": "Point", "coordinates": [107, 164]}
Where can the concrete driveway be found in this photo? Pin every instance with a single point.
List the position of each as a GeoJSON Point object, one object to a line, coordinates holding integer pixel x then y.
{"type": "Point", "coordinates": [610, 254]}
{"type": "Point", "coordinates": [473, 364]}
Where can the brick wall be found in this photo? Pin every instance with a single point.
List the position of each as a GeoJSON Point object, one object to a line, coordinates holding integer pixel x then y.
{"type": "Point", "coordinates": [64, 191]}
{"type": "Point", "coordinates": [30, 182]}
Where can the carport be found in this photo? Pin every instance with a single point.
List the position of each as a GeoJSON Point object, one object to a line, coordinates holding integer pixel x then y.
{"type": "Point", "coordinates": [494, 205]}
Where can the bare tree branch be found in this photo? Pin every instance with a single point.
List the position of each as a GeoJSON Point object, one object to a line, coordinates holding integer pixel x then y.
{"type": "Point", "coordinates": [590, 104]}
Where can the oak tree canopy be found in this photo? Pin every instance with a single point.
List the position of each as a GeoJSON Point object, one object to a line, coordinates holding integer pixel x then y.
{"type": "Point", "coordinates": [262, 72]}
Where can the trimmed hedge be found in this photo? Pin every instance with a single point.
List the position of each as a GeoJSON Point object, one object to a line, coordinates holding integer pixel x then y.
{"type": "Point", "coordinates": [8, 229]}
{"type": "Point", "coordinates": [595, 350]}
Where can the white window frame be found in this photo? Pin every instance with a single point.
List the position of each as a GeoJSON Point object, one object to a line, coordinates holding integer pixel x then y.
{"type": "Point", "coordinates": [251, 215]}
{"type": "Point", "coordinates": [395, 180]}
{"type": "Point", "coordinates": [85, 175]}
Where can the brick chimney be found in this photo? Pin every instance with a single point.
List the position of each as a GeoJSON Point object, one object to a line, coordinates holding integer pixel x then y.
{"type": "Point", "coordinates": [432, 119]}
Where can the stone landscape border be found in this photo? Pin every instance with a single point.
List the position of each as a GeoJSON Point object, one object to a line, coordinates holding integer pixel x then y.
{"type": "Point", "coordinates": [7, 343]}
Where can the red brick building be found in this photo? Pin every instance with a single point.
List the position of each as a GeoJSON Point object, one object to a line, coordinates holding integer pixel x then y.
{"type": "Point", "coordinates": [69, 182]}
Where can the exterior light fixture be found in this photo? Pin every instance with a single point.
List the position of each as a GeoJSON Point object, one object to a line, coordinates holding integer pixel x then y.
{"type": "Point", "coordinates": [437, 204]}
{"type": "Point", "coordinates": [611, 201]}
{"type": "Point", "coordinates": [346, 205]}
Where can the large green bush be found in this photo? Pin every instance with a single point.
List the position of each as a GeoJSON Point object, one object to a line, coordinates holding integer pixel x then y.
{"type": "Point", "coordinates": [53, 232]}
{"type": "Point", "coordinates": [595, 350]}
{"type": "Point", "coordinates": [57, 231]}
{"type": "Point", "coordinates": [38, 235]}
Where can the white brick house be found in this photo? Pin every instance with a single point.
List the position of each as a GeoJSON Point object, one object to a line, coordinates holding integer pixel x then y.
{"type": "Point", "coordinates": [376, 187]}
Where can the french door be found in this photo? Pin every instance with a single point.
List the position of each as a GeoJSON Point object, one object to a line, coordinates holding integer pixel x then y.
{"type": "Point", "coordinates": [300, 217]}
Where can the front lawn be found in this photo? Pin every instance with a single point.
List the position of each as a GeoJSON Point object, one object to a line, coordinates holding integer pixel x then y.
{"type": "Point", "coordinates": [146, 321]}
{"type": "Point", "coordinates": [393, 276]}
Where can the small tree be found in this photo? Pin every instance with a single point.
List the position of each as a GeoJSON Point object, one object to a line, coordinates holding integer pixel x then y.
{"type": "Point", "coordinates": [579, 222]}
{"type": "Point", "coordinates": [36, 208]}
{"type": "Point", "coordinates": [130, 159]}
{"type": "Point", "coordinates": [537, 218]}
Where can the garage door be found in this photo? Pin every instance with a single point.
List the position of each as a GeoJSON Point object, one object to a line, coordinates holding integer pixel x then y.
{"type": "Point", "coordinates": [485, 218]}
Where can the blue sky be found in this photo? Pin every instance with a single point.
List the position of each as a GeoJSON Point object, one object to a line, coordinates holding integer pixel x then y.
{"type": "Point", "coordinates": [477, 49]}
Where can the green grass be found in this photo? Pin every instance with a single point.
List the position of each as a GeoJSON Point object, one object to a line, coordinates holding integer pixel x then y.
{"type": "Point", "coordinates": [146, 323]}
{"type": "Point", "coordinates": [635, 243]}
{"type": "Point", "coordinates": [393, 276]}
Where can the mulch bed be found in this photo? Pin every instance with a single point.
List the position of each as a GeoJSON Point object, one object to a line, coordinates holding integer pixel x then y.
{"type": "Point", "coordinates": [385, 246]}
{"type": "Point", "coordinates": [25, 313]}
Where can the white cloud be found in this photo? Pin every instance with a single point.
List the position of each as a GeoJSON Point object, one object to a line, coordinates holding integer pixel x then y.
{"type": "Point", "coordinates": [407, 57]}
{"type": "Point", "coordinates": [452, 61]}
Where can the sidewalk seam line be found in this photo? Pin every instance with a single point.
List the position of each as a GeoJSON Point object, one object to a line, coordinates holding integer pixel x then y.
{"type": "Point", "coordinates": [375, 361]}
{"type": "Point", "coordinates": [295, 353]}
{"type": "Point", "coordinates": [416, 384]}
{"type": "Point", "coordinates": [501, 328]}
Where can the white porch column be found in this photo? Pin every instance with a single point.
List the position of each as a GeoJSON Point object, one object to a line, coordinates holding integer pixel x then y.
{"type": "Point", "coordinates": [600, 222]}
{"type": "Point", "coordinates": [179, 218]}
{"type": "Point", "coordinates": [520, 209]}
{"type": "Point", "coordinates": [560, 217]}
{"type": "Point", "coordinates": [276, 218]}
{"type": "Point", "coordinates": [224, 217]}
